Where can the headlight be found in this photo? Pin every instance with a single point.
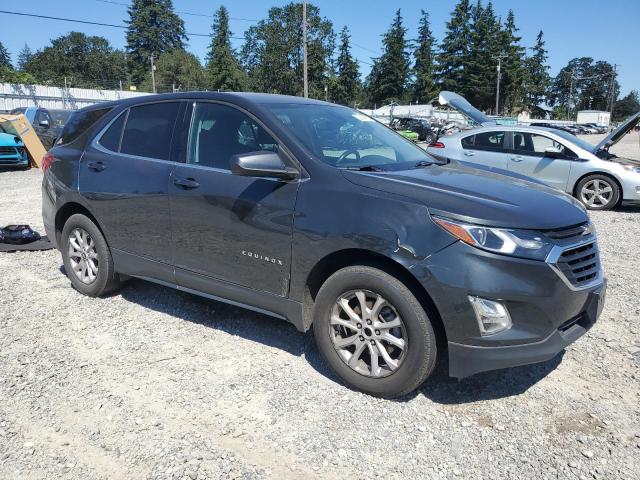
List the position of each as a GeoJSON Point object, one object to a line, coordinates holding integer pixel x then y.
{"type": "Point", "coordinates": [517, 243]}
{"type": "Point", "coordinates": [631, 168]}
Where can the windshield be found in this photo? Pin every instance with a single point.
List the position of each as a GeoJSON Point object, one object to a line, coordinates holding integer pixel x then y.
{"type": "Point", "coordinates": [346, 138]}
{"type": "Point", "coordinates": [575, 140]}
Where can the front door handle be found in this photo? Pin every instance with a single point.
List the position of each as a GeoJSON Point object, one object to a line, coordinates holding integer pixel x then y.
{"type": "Point", "coordinates": [517, 159]}
{"type": "Point", "coordinates": [96, 166]}
{"type": "Point", "coordinates": [469, 154]}
{"type": "Point", "coordinates": [186, 183]}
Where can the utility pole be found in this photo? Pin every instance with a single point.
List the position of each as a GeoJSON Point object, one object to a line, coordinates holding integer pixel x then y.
{"type": "Point", "coordinates": [570, 96]}
{"type": "Point", "coordinates": [304, 49]}
{"type": "Point", "coordinates": [612, 91]}
{"type": "Point", "coordinates": [499, 57]}
{"type": "Point", "coordinates": [153, 74]}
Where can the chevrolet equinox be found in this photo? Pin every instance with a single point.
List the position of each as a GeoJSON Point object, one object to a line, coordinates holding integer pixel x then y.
{"type": "Point", "coordinates": [320, 215]}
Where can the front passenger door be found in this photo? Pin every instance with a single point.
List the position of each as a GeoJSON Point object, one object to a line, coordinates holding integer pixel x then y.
{"type": "Point", "coordinates": [228, 228]}
{"type": "Point", "coordinates": [528, 158]}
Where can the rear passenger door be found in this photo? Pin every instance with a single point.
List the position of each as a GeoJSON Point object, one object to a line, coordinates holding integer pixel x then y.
{"type": "Point", "coordinates": [528, 158]}
{"type": "Point", "coordinates": [485, 148]}
{"type": "Point", "coordinates": [124, 176]}
{"type": "Point", "coordinates": [229, 229]}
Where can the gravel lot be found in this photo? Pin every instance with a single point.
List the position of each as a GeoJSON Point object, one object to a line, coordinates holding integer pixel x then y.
{"type": "Point", "coordinates": [154, 383]}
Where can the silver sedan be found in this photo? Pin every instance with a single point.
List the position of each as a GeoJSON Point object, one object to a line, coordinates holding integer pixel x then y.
{"type": "Point", "coordinates": [600, 180]}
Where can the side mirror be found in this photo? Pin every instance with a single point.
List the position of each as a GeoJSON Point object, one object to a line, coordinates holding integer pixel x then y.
{"type": "Point", "coordinates": [554, 152]}
{"type": "Point", "coordinates": [261, 164]}
{"type": "Point", "coordinates": [44, 123]}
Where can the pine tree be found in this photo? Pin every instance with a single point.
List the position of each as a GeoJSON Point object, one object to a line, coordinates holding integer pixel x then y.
{"type": "Point", "coordinates": [153, 29]}
{"type": "Point", "coordinates": [5, 58]}
{"type": "Point", "coordinates": [223, 68]}
{"type": "Point", "coordinates": [24, 56]}
{"type": "Point", "coordinates": [513, 77]}
{"type": "Point", "coordinates": [453, 55]}
{"type": "Point", "coordinates": [537, 74]}
{"type": "Point", "coordinates": [424, 87]}
{"type": "Point", "coordinates": [483, 54]}
{"type": "Point", "coordinates": [390, 73]}
{"type": "Point", "coordinates": [347, 82]}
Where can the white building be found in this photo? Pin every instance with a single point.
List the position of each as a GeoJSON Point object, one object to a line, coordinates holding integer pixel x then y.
{"type": "Point", "coordinates": [594, 116]}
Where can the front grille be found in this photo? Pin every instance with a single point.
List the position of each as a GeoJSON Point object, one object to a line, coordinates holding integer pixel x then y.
{"type": "Point", "coordinates": [569, 235]}
{"type": "Point", "coordinates": [580, 265]}
{"type": "Point", "coordinates": [8, 151]}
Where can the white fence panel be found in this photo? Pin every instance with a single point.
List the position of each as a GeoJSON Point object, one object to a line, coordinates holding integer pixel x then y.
{"type": "Point", "coordinates": [13, 95]}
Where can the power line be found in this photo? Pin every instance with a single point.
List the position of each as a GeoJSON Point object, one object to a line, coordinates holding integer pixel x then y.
{"type": "Point", "coordinates": [87, 22]}
{"type": "Point", "coordinates": [193, 14]}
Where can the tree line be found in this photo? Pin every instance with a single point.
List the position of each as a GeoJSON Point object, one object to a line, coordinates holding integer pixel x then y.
{"type": "Point", "coordinates": [270, 60]}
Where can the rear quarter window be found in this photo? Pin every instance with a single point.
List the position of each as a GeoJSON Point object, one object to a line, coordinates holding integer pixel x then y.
{"type": "Point", "coordinates": [79, 122]}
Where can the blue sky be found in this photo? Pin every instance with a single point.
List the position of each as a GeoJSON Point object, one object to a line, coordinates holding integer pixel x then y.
{"type": "Point", "coordinates": [595, 28]}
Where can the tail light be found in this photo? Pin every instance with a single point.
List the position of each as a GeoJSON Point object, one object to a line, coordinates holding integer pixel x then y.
{"type": "Point", "coordinates": [47, 160]}
{"type": "Point", "coordinates": [436, 145]}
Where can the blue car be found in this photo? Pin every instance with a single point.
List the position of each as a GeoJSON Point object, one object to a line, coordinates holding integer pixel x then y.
{"type": "Point", "coordinates": [12, 151]}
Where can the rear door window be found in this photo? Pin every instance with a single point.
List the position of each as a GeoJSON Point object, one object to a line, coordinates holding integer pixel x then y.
{"type": "Point", "coordinates": [488, 141]}
{"type": "Point", "coordinates": [111, 138]}
{"type": "Point", "coordinates": [79, 122]}
{"type": "Point", "coordinates": [149, 130]}
{"type": "Point", "coordinates": [533, 144]}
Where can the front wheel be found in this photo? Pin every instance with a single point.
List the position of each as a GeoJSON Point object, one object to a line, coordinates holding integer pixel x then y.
{"type": "Point", "coordinates": [598, 192]}
{"type": "Point", "coordinates": [373, 332]}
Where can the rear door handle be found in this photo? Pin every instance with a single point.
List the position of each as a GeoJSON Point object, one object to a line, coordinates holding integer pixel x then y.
{"type": "Point", "coordinates": [186, 183]}
{"type": "Point", "coordinates": [469, 154]}
{"type": "Point", "coordinates": [517, 159]}
{"type": "Point", "coordinates": [96, 166]}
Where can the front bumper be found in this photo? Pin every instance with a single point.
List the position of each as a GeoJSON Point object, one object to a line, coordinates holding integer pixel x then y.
{"type": "Point", "coordinates": [547, 313]}
{"type": "Point", "coordinates": [467, 360]}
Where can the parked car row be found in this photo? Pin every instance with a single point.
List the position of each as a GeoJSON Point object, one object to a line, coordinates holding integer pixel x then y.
{"type": "Point", "coordinates": [553, 156]}
{"type": "Point", "coordinates": [574, 129]}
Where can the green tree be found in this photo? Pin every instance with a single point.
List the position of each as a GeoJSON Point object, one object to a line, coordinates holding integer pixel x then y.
{"type": "Point", "coordinates": [626, 106]}
{"type": "Point", "coordinates": [24, 56]}
{"type": "Point", "coordinates": [390, 72]}
{"type": "Point", "coordinates": [177, 69]}
{"type": "Point", "coordinates": [424, 88]}
{"type": "Point", "coordinates": [484, 50]}
{"type": "Point", "coordinates": [5, 58]}
{"type": "Point", "coordinates": [453, 55]}
{"type": "Point", "coordinates": [272, 52]}
{"type": "Point", "coordinates": [512, 83]}
{"type": "Point", "coordinates": [9, 75]}
{"type": "Point", "coordinates": [88, 62]}
{"type": "Point", "coordinates": [153, 28]}
{"type": "Point", "coordinates": [223, 68]}
{"type": "Point", "coordinates": [346, 85]}
{"type": "Point", "coordinates": [537, 75]}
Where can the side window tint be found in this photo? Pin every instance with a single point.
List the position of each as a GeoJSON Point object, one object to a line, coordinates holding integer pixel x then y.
{"type": "Point", "coordinates": [149, 130]}
{"type": "Point", "coordinates": [219, 132]}
{"type": "Point", "coordinates": [79, 122]}
{"type": "Point", "coordinates": [490, 141]}
{"type": "Point", "coordinates": [468, 142]}
{"type": "Point", "coordinates": [111, 138]}
{"type": "Point", "coordinates": [535, 145]}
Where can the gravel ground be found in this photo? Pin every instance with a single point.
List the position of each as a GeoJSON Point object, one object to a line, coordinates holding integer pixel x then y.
{"type": "Point", "coordinates": [155, 383]}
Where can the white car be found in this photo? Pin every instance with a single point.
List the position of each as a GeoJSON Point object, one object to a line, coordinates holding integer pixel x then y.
{"type": "Point", "coordinates": [599, 179]}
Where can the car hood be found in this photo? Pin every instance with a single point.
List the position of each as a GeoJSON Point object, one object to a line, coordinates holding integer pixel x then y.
{"type": "Point", "coordinates": [478, 196]}
{"type": "Point", "coordinates": [9, 140]}
{"type": "Point", "coordinates": [461, 104]}
{"type": "Point", "coordinates": [618, 133]}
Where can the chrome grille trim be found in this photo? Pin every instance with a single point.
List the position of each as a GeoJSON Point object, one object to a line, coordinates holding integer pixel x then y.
{"type": "Point", "coordinates": [578, 265]}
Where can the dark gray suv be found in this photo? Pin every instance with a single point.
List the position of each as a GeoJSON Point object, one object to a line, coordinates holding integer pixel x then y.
{"type": "Point", "coordinates": [319, 215]}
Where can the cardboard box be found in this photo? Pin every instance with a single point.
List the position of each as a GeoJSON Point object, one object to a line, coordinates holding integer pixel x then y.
{"type": "Point", "coordinates": [19, 125]}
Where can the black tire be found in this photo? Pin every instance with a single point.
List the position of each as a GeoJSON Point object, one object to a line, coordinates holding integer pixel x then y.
{"type": "Point", "coordinates": [605, 183]}
{"type": "Point", "coordinates": [421, 352]}
{"type": "Point", "coordinates": [431, 137]}
{"type": "Point", "coordinates": [106, 280]}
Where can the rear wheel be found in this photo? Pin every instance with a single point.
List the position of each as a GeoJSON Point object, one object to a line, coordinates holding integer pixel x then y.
{"type": "Point", "coordinates": [86, 256]}
{"type": "Point", "coordinates": [373, 332]}
{"type": "Point", "coordinates": [598, 192]}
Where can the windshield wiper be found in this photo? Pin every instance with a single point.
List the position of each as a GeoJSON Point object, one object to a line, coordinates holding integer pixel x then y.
{"type": "Point", "coordinates": [423, 163]}
{"type": "Point", "coordinates": [366, 168]}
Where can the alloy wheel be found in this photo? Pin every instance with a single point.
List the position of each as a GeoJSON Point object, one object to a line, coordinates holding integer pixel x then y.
{"type": "Point", "coordinates": [596, 193]}
{"type": "Point", "coordinates": [368, 333]}
{"type": "Point", "coordinates": [83, 256]}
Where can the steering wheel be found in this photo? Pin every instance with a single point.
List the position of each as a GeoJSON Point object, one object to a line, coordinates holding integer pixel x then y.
{"type": "Point", "coordinates": [344, 156]}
